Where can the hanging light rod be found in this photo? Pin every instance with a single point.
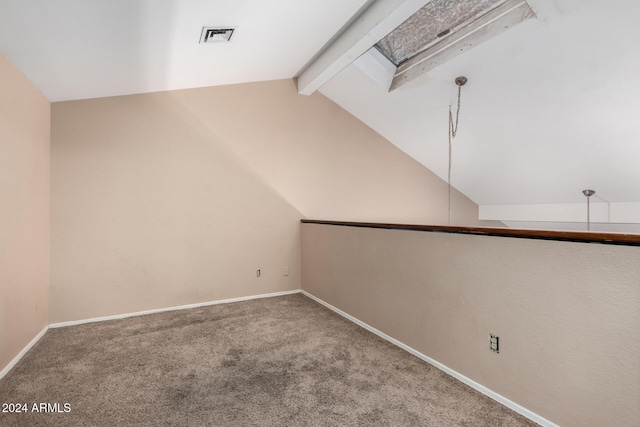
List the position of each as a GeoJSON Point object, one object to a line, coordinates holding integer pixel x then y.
{"type": "Point", "coordinates": [588, 193]}
{"type": "Point", "coordinates": [453, 130]}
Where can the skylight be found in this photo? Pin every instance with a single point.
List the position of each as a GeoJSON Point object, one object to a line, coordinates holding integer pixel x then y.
{"type": "Point", "coordinates": [443, 29]}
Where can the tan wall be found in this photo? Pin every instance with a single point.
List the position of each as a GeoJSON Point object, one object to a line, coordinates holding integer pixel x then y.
{"type": "Point", "coordinates": [178, 197]}
{"type": "Point", "coordinates": [150, 210]}
{"type": "Point", "coordinates": [24, 211]}
{"type": "Point", "coordinates": [323, 160]}
{"type": "Point", "coordinates": [568, 314]}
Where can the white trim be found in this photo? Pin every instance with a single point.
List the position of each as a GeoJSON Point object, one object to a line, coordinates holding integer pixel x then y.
{"type": "Point", "coordinates": [374, 22]}
{"type": "Point", "coordinates": [16, 359]}
{"type": "Point", "coordinates": [482, 389]}
{"type": "Point", "coordinates": [375, 65]}
{"type": "Point", "coordinates": [180, 307]}
{"type": "Point", "coordinates": [471, 383]}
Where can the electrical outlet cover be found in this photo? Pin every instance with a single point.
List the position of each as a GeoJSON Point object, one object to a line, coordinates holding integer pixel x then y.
{"type": "Point", "coordinates": [494, 343]}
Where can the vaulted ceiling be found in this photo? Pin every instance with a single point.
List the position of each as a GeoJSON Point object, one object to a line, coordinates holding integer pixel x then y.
{"type": "Point", "coordinates": [550, 108]}
{"type": "Point", "coordinates": [75, 49]}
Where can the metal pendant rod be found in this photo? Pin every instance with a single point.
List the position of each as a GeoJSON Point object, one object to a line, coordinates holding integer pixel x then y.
{"type": "Point", "coordinates": [453, 130]}
{"type": "Point", "coordinates": [588, 193]}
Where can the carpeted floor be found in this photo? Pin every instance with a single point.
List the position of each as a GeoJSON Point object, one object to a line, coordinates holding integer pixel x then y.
{"type": "Point", "coordinates": [284, 361]}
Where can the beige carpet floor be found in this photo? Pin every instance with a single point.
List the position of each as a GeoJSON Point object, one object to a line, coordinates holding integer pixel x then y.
{"type": "Point", "coordinates": [284, 361]}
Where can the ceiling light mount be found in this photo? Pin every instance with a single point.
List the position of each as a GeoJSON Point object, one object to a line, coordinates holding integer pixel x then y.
{"type": "Point", "coordinates": [461, 81]}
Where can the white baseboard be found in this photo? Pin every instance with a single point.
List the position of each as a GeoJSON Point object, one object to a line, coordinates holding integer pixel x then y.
{"type": "Point", "coordinates": [180, 307]}
{"type": "Point", "coordinates": [468, 381]}
{"type": "Point", "coordinates": [16, 359]}
{"type": "Point", "coordinates": [482, 389]}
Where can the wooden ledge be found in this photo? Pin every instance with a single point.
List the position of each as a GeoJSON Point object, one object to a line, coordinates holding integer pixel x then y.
{"type": "Point", "coordinates": [567, 236]}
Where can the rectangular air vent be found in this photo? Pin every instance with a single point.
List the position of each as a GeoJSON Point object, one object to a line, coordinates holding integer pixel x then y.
{"type": "Point", "coordinates": [216, 34]}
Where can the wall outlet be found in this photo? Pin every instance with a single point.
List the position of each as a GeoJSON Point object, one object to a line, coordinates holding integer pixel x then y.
{"type": "Point", "coordinates": [494, 343]}
{"type": "Point", "coordinates": [285, 271]}
{"type": "Point", "coordinates": [258, 273]}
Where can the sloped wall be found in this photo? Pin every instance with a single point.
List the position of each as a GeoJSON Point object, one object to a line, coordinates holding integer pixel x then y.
{"type": "Point", "coordinates": [24, 211]}
{"type": "Point", "coordinates": [321, 159]}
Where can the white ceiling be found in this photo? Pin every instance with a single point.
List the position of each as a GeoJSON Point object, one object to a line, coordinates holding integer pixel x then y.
{"type": "Point", "coordinates": [74, 49]}
{"type": "Point", "coordinates": [551, 107]}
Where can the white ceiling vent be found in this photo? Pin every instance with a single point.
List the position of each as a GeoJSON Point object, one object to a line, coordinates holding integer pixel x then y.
{"type": "Point", "coordinates": [216, 34]}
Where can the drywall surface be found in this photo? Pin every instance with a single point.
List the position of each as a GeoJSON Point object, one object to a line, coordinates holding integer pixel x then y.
{"type": "Point", "coordinates": [24, 211]}
{"type": "Point", "coordinates": [179, 197]}
{"type": "Point", "coordinates": [324, 161]}
{"type": "Point", "coordinates": [567, 314]}
{"type": "Point", "coordinates": [150, 209]}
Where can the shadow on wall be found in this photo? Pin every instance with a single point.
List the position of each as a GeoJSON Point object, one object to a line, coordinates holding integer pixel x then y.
{"type": "Point", "coordinates": [151, 210]}
{"type": "Point", "coordinates": [323, 160]}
